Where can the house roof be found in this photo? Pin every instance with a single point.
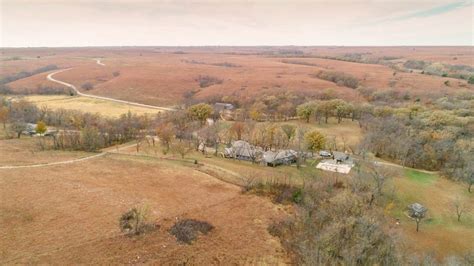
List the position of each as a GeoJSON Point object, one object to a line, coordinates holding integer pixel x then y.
{"type": "Point", "coordinates": [224, 105]}
{"type": "Point", "coordinates": [243, 148]}
{"type": "Point", "coordinates": [340, 155]}
{"type": "Point", "coordinates": [271, 156]}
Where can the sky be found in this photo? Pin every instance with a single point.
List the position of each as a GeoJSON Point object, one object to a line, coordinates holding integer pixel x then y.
{"type": "Point", "coordinates": [66, 23]}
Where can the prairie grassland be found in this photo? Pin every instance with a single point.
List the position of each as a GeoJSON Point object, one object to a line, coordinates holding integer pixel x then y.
{"type": "Point", "coordinates": [103, 107]}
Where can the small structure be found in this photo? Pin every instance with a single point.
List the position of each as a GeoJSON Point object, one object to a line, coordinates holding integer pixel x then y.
{"type": "Point", "coordinates": [341, 162]}
{"type": "Point", "coordinates": [30, 129]}
{"type": "Point", "coordinates": [241, 150]}
{"type": "Point", "coordinates": [325, 154]}
{"type": "Point", "coordinates": [223, 106]}
{"type": "Point", "coordinates": [271, 158]}
{"type": "Point", "coordinates": [340, 157]}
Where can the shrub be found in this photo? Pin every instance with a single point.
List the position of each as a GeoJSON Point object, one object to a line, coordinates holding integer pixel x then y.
{"type": "Point", "coordinates": [116, 73]}
{"type": "Point", "coordinates": [279, 193]}
{"type": "Point", "coordinates": [415, 64]}
{"type": "Point", "coordinates": [206, 81]}
{"type": "Point", "coordinates": [87, 86]}
{"type": "Point", "coordinates": [134, 221]}
{"type": "Point", "coordinates": [471, 80]}
{"type": "Point", "coordinates": [186, 231]}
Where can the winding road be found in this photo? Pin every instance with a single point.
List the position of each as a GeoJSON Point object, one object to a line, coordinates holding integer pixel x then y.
{"type": "Point", "coordinates": [50, 78]}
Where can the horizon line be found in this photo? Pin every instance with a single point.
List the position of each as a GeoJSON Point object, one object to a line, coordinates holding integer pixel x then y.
{"type": "Point", "coordinates": [223, 46]}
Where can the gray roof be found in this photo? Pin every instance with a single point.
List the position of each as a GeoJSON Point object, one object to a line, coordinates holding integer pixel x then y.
{"type": "Point", "coordinates": [340, 155]}
{"type": "Point", "coordinates": [271, 156]}
{"type": "Point", "coordinates": [223, 106]}
{"type": "Point", "coordinates": [241, 148]}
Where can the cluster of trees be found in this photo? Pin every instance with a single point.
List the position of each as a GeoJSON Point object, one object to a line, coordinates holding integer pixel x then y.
{"type": "Point", "coordinates": [340, 78]}
{"type": "Point", "coordinates": [345, 223]}
{"type": "Point", "coordinates": [75, 130]}
{"type": "Point", "coordinates": [40, 89]}
{"type": "Point", "coordinates": [325, 109]}
{"type": "Point", "coordinates": [438, 137]}
{"type": "Point", "coordinates": [439, 69]}
{"type": "Point", "coordinates": [25, 74]}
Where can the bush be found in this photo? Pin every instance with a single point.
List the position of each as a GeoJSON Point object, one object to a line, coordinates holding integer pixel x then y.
{"type": "Point", "coordinates": [206, 81]}
{"type": "Point", "coordinates": [471, 80]}
{"type": "Point", "coordinates": [87, 86]}
{"type": "Point", "coordinates": [279, 193]}
{"type": "Point", "coordinates": [116, 73]}
{"type": "Point", "coordinates": [186, 231]}
{"type": "Point", "coordinates": [134, 221]}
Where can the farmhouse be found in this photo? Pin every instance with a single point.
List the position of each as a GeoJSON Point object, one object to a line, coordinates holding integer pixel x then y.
{"type": "Point", "coordinates": [271, 158]}
{"type": "Point", "coordinates": [241, 150]}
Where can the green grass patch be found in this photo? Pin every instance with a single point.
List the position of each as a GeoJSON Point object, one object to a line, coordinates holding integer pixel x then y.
{"type": "Point", "coordinates": [420, 177]}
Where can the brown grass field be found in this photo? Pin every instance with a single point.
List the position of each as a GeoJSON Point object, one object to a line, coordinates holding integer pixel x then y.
{"type": "Point", "coordinates": [39, 207]}
{"type": "Point", "coordinates": [440, 232]}
{"type": "Point", "coordinates": [26, 151]}
{"type": "Point", "coordinates": [160, 76]}
{"type": "Point", "coordinates": [103, 107]}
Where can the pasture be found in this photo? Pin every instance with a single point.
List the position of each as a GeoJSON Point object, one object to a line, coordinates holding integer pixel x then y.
{"type": "Point", "coordinates": [103, 107]}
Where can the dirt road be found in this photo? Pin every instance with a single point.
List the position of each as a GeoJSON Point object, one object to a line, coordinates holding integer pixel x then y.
{"type": "Point", "coordinates": [104, 152]}
{"type": "Point", "coordinates": [99, 62]}
{"type": "Point", "coordinates": [50, 77]}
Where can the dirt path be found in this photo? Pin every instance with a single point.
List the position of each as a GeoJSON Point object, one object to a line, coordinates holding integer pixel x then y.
{"type": "Point", "coordinates": [99, 62]}
{"type": "Point", "coordinates": [50, 78]}
{"type": "Point", "coordinates": [104, 152]}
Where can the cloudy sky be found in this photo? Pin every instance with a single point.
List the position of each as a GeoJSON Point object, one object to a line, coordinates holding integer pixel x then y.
{"type": "Point", "coordinates": [235, 22]}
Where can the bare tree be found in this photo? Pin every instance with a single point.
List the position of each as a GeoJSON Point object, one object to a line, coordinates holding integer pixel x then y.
{"type": "Point", "coordinates": [182, 148]}
{"type": "Point", "coordinates": [460, 208]}
{"type": "Point", "coordinates": [417, 212]}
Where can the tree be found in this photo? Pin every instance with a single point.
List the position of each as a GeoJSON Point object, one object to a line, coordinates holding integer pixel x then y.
{"type": "Point", "coordinates": [41, 128]}
{"type": "Point", "coordinates": [18, 127]}
{"type": "Point", "coordinates": [460, 208]}
{"type": "Point", "coordinates": [4, 113]}
{"type": "Point", "coordinates": [182, 148]}
{"type": "Point", "coordinates": [326, 108]}
{"type": "Point", "coordinates": [90, 139]}
{"type": "Point", "coordinates": [315, 140]}
{"type": "Point", "coordinates": [200, 112]}
{"type": "Point", "coordinates": [237, 129]}
{"type": "Point", "coordinates": [289, 130]}
{"type": "Point", "coordinates": [165, 133]}
{"type": "Point", "coordinates": [417, 212]}
{"type": "Point", "coordinates": [305, 111]}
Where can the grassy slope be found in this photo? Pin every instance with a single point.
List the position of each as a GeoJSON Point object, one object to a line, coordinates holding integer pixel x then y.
{"type": "Point", "coordinates": [440, 232]}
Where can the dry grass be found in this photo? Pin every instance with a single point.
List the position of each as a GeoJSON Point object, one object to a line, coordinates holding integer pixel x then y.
{"type": "Point", "coordinates": [158, 76]}
{"type": "Point", "coordinates": [68, 214]}
{"type": "Point", "coordinates": [103, 107]}
{"type": "Point", "coordinates": [26, 151]}
{"type": "Point", "coordinates": [440, 232]}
